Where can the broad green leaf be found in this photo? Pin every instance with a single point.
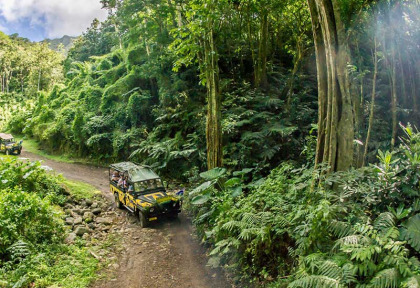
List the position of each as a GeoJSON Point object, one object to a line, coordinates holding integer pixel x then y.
{"type": "Point", "coordinates": [200, 199]}
{"type": "Point", "coordinates": [242, 172]}
{"type": "Point", "coordinates": [214, 173]}
{"type": "Point", "coordinates": [232, 182]}
{"type": "Point", "coordinates": [237, 191]}
{"type": "Point", "coordinates": [202, 187]}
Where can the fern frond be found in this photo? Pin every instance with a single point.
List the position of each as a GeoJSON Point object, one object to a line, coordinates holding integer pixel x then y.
{"type": "Point", "coordinates": [315, 281]}
{"type": "Point", "coordinates": [232, 225]}
{"type": "Point", "coordinates": [203, 217]}
{"type": "Point", "coordinates": [330, 269]}
{"type": "Point", "coordinates": [351, 240]}
{"type": "Point", "coordinates": [413, 282]}
{"type": "Point", "coordinates": [341, 229]}
{"type": "Point", "coordinates": [249, 233]}
{"type": "Point", "coordinates": [19, 250]}
{"type": "Point", "coordinates": [387, 278]}
{"type": "Point", "coordinates": [348, 274]}
{"type": "Point", "coordinates": [250, 218]}
{"type": "Point", "coordinates": [384, 221]}
{"type": "Point", "coordinates": [411, 232]}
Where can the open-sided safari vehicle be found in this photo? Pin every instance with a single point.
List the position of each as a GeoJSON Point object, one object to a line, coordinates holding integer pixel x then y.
{"type": "Point", "coordinates": [142, 192]}
{"type": "Point", "coordinates": [8, 145]}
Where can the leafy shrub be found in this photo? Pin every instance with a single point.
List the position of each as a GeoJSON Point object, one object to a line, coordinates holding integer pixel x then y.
{"type": "Point", "coordinates": [28, 217]}
{"type": "Point", "coordinates": [32, 252]}
{"type": "Point", "coordinates": [358, 228]}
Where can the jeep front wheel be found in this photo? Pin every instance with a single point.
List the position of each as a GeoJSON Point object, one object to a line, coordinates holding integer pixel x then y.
{"type": "Point", "coordinates": [143, 221]}
{"type": "Point", "coordinates": [117, 201]}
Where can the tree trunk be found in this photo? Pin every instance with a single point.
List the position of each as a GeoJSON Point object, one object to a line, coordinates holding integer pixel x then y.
{"type": "Point", "coordinates": [372, 101]}
{"type": "Point", "coordinates": [413, 72]}
{"type": "Point", "coordinates": [288, 89]}
{"type": "Point", "coordinates": [261, 79]}
{"type": "Point", "coordinates": [213, 125]}
{"type": "Point", "coordinates": [251, 47]}
{"type": "Point", "coordinates": [335, 111]}
{"type": "Point", "coordinates": [393, 75]}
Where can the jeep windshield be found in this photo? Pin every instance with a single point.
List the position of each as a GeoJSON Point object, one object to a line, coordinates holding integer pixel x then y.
{"type": "Point", "coordinates": [148, 185]}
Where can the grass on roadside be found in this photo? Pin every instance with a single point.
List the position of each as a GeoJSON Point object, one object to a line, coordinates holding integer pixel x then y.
{"type": "Point", "coordinates": [33, 146]}
{"type": "Point", "coordinates": [79, 190]}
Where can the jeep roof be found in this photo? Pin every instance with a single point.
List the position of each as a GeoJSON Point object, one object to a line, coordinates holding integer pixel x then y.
{"type": "Point", "coordinates": [5, 136]}
{"type": "Point", "coordinates": [137, 173]}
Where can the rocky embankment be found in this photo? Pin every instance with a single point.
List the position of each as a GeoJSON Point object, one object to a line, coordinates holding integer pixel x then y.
{"type": "Point", "coordinates": [89, 218]}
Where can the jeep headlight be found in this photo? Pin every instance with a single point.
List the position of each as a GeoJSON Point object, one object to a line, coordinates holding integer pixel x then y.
{"type": "Point", "coordinates": [151, 210]}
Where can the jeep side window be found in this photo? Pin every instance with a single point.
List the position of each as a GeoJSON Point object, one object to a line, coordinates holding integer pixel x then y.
{"type": "Point", "coordinates": [115, 176]}
{"type": "Point", "coordinates": [130, 188]}
{"type": "Point", "coordinates": [143, 185]}
{"type": "Point", "coordinates": [159, 183]}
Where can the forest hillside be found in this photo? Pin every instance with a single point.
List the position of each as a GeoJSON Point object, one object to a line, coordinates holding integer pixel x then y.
{"type": "Point", "coordinates": [294, 123]}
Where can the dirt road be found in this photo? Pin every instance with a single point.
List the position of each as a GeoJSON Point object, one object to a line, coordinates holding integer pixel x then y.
{"type": "Point", "coordinates": [164, 255]}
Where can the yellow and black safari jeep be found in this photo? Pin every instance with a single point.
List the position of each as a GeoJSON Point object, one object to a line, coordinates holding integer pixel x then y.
{"type": "Point", "coordinates": [8, 145]}
{"type": "Point", "coordinates": [142, 192]}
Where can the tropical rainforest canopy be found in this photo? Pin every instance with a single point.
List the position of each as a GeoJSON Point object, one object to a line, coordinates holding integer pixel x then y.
{"type": "Point", "coordinates": [298, 117]}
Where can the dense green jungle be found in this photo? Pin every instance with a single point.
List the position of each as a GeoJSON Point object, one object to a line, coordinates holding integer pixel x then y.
{"type": "Point", "coordinates": [293, 123]}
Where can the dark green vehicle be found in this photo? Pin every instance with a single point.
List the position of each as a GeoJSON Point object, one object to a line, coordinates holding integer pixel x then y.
{"type": "Point", "coordinates": [8, 145]}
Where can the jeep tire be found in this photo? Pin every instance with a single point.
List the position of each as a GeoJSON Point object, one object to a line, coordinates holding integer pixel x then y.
{"type": "Point", "coordinates": [143, 221]}
{"type": "Point", "coordinates": [117, 201]}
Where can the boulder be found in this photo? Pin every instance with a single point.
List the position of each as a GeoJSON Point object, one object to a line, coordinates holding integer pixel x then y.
{"type": "Point", "coordinates": [92, 226]}
{"type": "Point", "coordinates": [77, 211]}
{"type": "Point", "coordinates": [77, 220]}
{"type": "Point", "coordinates": [87, 215]}
{"type": "Point", "coordinates": [80, 230]}
{"type": "Point", "coordinates": [89, 202]}
{"type": "Point", "coordinates": [69, 220]}
{"type": "Point", "coordinates": [97, 211]}
{"type": "Point", "coordinates": [70, 238]}
{"type": "Point", "coordinates": [101, 220]}
{"type": "Point", "coordinates": [94, 205]}
{"type": "Point", "coordinates": [68, 206]}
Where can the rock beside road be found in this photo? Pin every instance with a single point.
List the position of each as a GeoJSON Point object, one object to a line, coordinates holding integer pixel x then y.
{"type": "Point", "coordinates": [70, 238]}
{"type": "Point", "coordinates": [96, 211]}
{"type": "Point", "coordinates": [80, 230]}
{"type": "Point", "coordinates": [69, 220]}
{"type": "Point", "coordinates": [102, 220]}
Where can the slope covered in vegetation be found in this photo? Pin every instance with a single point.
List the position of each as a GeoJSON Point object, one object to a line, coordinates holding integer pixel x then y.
{"type": "Point", "coordinates": [358, 228]}
{"type": "Point", "coordinates": [32, 234]}
{"type": "Point", "coordinates": [291, 101]}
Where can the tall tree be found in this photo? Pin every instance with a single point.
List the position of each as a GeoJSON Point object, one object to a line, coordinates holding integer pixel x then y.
{"type": "Point", "coordinates": [201, 29]}
{"type": "Point", "coordinates": [335, 111]}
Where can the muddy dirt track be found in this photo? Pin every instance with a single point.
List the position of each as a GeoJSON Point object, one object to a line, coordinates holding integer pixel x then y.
{"type": "Point", "coordinates": [164, 255]}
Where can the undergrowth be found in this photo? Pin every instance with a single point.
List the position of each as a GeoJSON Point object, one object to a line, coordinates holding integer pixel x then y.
{"type": "Point", "coordinates": [302, 227]}
{"type": "Point", "coordinates": [32, 232]}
